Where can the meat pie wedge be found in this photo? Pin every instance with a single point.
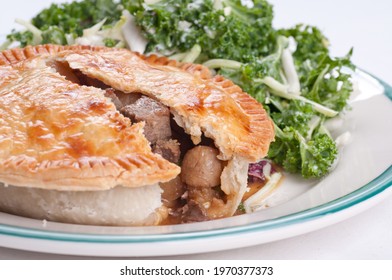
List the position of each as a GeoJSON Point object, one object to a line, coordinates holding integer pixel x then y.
{"type": "Point", "coordinates": [79, 127]}
{"type": "Point", "coordinates": [67, 154]}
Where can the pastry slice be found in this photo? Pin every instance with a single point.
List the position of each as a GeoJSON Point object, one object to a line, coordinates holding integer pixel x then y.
{"type": "Point", "coordinates": [70, 156]}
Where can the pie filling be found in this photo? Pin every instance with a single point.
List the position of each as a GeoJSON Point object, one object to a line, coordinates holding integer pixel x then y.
{"type": "Point", "coordinates": [194, 195]}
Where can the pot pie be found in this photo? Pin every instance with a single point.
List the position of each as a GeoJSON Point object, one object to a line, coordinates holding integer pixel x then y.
{"type": "Point", "coordinates": [102, 136]}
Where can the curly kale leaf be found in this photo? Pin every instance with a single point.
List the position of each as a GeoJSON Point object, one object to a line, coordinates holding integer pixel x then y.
{"type": "Point", "coordinates": [312, 157]}
{"type": "Point", "coordinates": [60, 20]}
{"type": "Point", "coordinates": [176, 26]}
{"type": "Point", "coordinates": [74, 17]}
{"type": "Point", "coordinates": [54, 35]}
{"type": "Point", "coordinates": [24, 38]}
{"type": "Point", "coordinates": [294, 114]}
{"type": "Point", "coordinates": [322, 77]}
{"type": "Point", "coordinates": [317, 155]}
{"type": "Point", "coordinates": [328, 83]}
{"type": "Point", "coordinates": [173, 25]}
{"type": "Point", "coordinates": [311, 42]}
{"type": "Point", "coordinates": [257, 68]}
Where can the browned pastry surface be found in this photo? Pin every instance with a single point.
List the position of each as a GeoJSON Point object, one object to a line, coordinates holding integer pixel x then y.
{"type": "Point", "coordinates": [205, 103]}
{"type": "Point", "coordinates": [56, 134]}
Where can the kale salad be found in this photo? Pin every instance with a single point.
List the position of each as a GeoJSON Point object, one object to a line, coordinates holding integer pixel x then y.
{"type": "Point", "coordinates": [290, 71]}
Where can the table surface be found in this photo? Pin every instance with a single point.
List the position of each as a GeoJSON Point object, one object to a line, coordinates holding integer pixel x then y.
{"type": "Point", "coordinates": [347, 23]}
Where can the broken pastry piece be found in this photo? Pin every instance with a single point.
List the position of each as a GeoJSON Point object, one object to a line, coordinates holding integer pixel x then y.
{"type": "Point", "coordinates": [101, 136]}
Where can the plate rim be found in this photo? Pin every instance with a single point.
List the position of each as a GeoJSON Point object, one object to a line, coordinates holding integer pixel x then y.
{"type": "Point", "coordinates": [373, 188]}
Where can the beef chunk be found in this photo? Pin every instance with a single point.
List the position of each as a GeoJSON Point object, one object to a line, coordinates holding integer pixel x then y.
{"type": "Point", "coordinates": [168, 149]}
{"type": "Point", "coordinates": [154, 114]}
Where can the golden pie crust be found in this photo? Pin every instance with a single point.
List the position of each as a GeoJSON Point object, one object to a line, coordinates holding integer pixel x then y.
{"type": "Point", "coordinates": [205, 103]}
{"type": "Point", "coordinates": [55, 134]}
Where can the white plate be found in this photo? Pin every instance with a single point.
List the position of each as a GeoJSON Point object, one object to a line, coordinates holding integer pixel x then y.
{"type": "Point", "coordinates": [361, 179]}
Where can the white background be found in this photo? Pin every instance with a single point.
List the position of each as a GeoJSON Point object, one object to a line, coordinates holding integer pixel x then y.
{"type": "Point", "coordinates": [364, 25]}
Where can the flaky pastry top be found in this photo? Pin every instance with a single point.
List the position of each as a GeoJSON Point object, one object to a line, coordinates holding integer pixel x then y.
{"type": "Point", "coordinates": [55, 134]}
{"type": "Point", "coordinates": [200, 102]}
